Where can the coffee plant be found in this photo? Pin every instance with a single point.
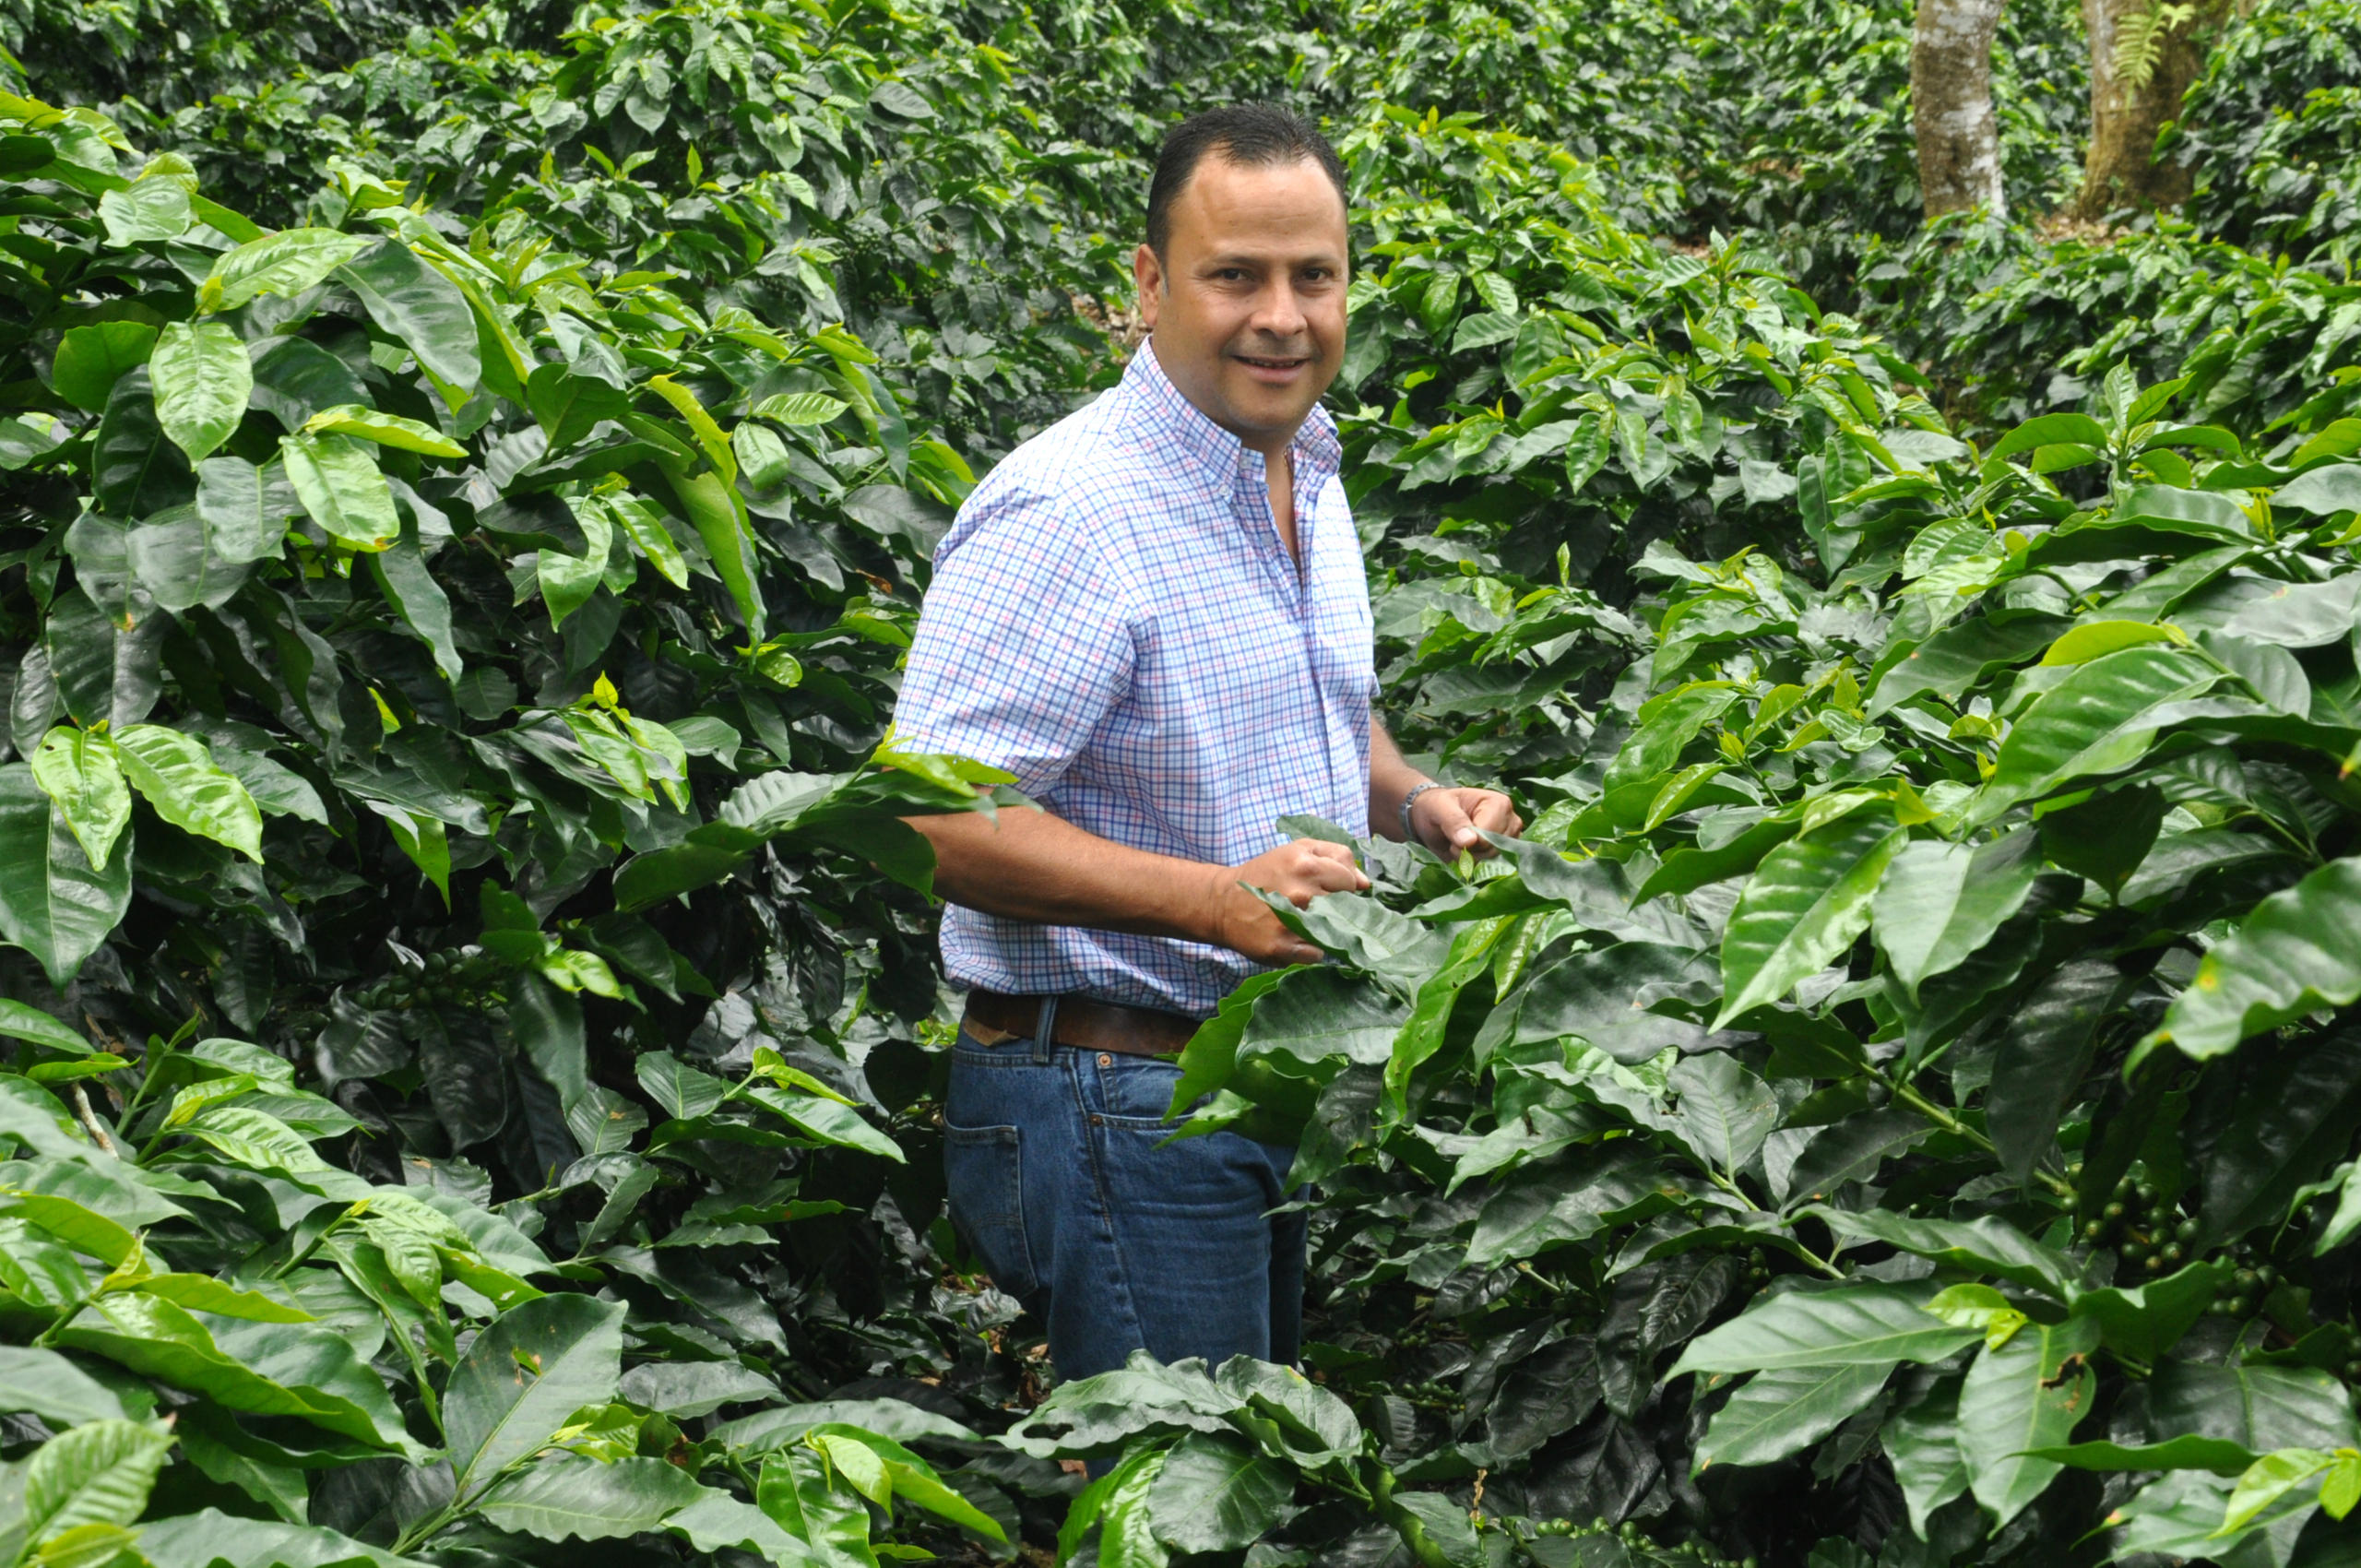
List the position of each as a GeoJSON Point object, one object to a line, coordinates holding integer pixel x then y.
{"type": "Point", "coordinates": [474, 1039]}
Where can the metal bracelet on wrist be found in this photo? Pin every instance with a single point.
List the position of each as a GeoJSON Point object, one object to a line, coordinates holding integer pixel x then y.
{"type": "Point", "coordinates": [1409, 835]}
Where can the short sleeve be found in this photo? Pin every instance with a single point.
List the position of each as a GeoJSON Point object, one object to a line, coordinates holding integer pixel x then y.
{"type": "Point", "coordinates": [1023, 645]}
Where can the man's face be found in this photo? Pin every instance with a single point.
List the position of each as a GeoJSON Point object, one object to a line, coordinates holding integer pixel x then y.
{"type": "Point", "coordinates": [1247, 302]}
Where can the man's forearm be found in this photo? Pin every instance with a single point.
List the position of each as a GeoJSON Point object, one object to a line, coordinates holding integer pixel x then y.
{"type": "Point", "coordinates": [1391, 778]}
{"type": "Point", "coordinates": [1029, 865]}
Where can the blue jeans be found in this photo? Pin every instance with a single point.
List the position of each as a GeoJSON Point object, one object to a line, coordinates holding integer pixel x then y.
{"type": "Point", "coordinates": [1057, 1181]}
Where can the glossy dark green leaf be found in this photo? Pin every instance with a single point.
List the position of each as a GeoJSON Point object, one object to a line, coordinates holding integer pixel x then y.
{"type": "Point", "coordinates": [209, 1536]}
{"type": "Point", "coordinates": [135, 468]}
{"type": "Point", "coordinates": [302, 1369]}
{"type": "Point", "coordinates": [402, 577]}
{"type": "Point", "coordinates": [2028, 1393]}
{"type": "Point", "coordinates": [1922, 1442]}
{"type": "Point", "coordinates": [568, 1498]}
{"type": "Point", "coordinates": [1600, 996]}
{"type": "Point", "coordinates": [295, 378]}
{"type": "Point", "coordinates": [1846, 1326]}
{"type": "Point", "coordinates": [1774, 1414]}
{"type": "Point", "coordinates": [1803, 906]}
{"type": "Point", "coordinates": [2293, 1121]}
{"type": "Point", "coordinates": [1940, 902]}
{"type": "Point", "coordinates": [53, 1388]}
{"type": "Point", "coordinates": [1217, 1494]}
{"type": "Point", "coordinates": [2089, 724]}
{"type": "Point", "coordinates": [414, 302]}
{"type": "Point", "coordinates": [1986, 1245]}
{"type": "Point", "coordinates": [2038, 1068]}
{"type": "Point", "coordinates": [2294, 954]}
{"type": "Point", "coordinates": [51, 903]}
{"type": "Point", "coordinates": [522, 1377]}
{"type": "Point", "coordinates": [91, 359]}
{"type": "Point", "coordinates": [1726, 1111]}
{"type": "Point", "coordinates": [2105, 837]}
{"type": "Point", "coordinates": [1852, 1150]}
{"type": "Point", "coordinates": [1957, 658]}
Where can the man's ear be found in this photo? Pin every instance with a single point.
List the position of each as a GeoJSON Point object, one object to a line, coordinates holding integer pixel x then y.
{"type": "Point", "coordinates": [1147, 272]}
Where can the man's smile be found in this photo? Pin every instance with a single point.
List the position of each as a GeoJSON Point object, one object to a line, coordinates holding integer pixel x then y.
{"type": "Point", "coordinates": [1274, 369]}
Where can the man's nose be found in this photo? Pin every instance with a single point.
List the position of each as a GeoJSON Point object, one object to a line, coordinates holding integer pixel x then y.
{"type": "Point", "coordinates": [1279, 314]}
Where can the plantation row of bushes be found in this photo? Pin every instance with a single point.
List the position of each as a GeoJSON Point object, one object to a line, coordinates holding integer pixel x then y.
{"type": "Point", "coordinates": [476, 1037]}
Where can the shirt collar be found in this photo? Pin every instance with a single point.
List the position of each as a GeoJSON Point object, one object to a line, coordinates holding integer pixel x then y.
{"type": "Point", "coordinates": [1215, 452]}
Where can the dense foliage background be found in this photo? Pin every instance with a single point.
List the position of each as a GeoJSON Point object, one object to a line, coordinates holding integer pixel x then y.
{"type": "Point", "coordinates": [467, 482]}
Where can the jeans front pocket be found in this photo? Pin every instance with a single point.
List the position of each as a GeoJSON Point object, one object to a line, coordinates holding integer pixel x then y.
{"type": "Point", "coordinates": [984, 1169]}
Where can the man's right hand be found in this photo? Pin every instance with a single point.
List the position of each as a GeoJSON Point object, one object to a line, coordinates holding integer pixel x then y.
{"type": "Point", "coordinates": [1298, 872]}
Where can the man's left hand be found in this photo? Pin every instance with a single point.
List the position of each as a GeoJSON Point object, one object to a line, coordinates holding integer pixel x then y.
{"type": "Point", "coordinates": [1453, 819]}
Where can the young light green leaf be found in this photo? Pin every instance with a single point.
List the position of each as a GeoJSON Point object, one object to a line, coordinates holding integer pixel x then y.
{"type": "Point", "coordinates": [79, 770]}
{"type": "Point", "coordinates": [100, 1473]}
{"type": "Point", "coordinates": [643, 520]}
{"type": "Point", "coordinates": [176, 773]}
{"type": "Point", "coordinates": [341, 486]}
{"type": "Point", "coordinates": [799, 407]}
{"type": "Point", "coordinates": [2268, 1479]}
{"type": "Point", "coordinates": [202, 379]}
{"type": "Point", "coordinates": [386, 430]}
{"type": "Point", "coordinates": [285, 262]}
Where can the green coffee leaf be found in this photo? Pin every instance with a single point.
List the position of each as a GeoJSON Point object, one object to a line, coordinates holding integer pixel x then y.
{"type": "Point", "coordinates": [2294, 954]}
{"type": "Point", "coordinates": [99, 1473]}
{"type": "Point", "coordinates": [286, 263]}
{"type": "Point", "coordinates": [571, 1348]}
{"type": "Point", "coordinates": [91, 359]}
{"type": "Point", "coordinates": [2027, 1394]}
{"type": "Point", "coordinates": [54, 904]}
{"type": "Point", "coordinates": [79, 770]}
{"type": "Point", "coordinates": [341, 486]}
{"type": "Point", "coordinates": [1805, 903]}
{"type": "Point", "coordinates": [176, 772]}
{"type": "Point", "coordinates": [202, 379]}
{"type": "Point", "coordinates": [386, 430]}
{"type": "Point", "coordinates": [1774, 1414]}
{"type": "Point", "coordinates": [1850, 1325]}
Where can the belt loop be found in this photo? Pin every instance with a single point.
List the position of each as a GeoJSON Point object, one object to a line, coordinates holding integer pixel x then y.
{"type": "Point", "coordinates": [1044, 1031]}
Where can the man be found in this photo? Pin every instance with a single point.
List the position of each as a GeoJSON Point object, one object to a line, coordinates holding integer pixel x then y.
{"type": "Point", "coordinates": [1154, 615]}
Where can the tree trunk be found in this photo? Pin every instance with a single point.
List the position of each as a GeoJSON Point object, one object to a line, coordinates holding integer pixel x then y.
{"type": "Point", "coordinates": [2143, 56]}
{"type": "Point", "coordinates": [1951, 106]}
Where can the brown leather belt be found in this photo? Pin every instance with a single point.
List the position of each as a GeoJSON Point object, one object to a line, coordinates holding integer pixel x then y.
{"type": "Point", "coordinates": [993, 1017]}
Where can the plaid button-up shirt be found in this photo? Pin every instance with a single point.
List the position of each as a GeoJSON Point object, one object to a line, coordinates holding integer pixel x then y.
{"type": "Point", "coordinates": [1114, 619]}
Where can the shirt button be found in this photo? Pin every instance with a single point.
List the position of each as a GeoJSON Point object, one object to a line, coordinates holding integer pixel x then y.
{"type": "Point", "coordinates": [1105, 1059]}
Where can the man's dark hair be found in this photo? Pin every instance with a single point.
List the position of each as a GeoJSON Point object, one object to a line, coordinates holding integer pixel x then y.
{"type": "Point", "coordinates": [1257, 135]}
